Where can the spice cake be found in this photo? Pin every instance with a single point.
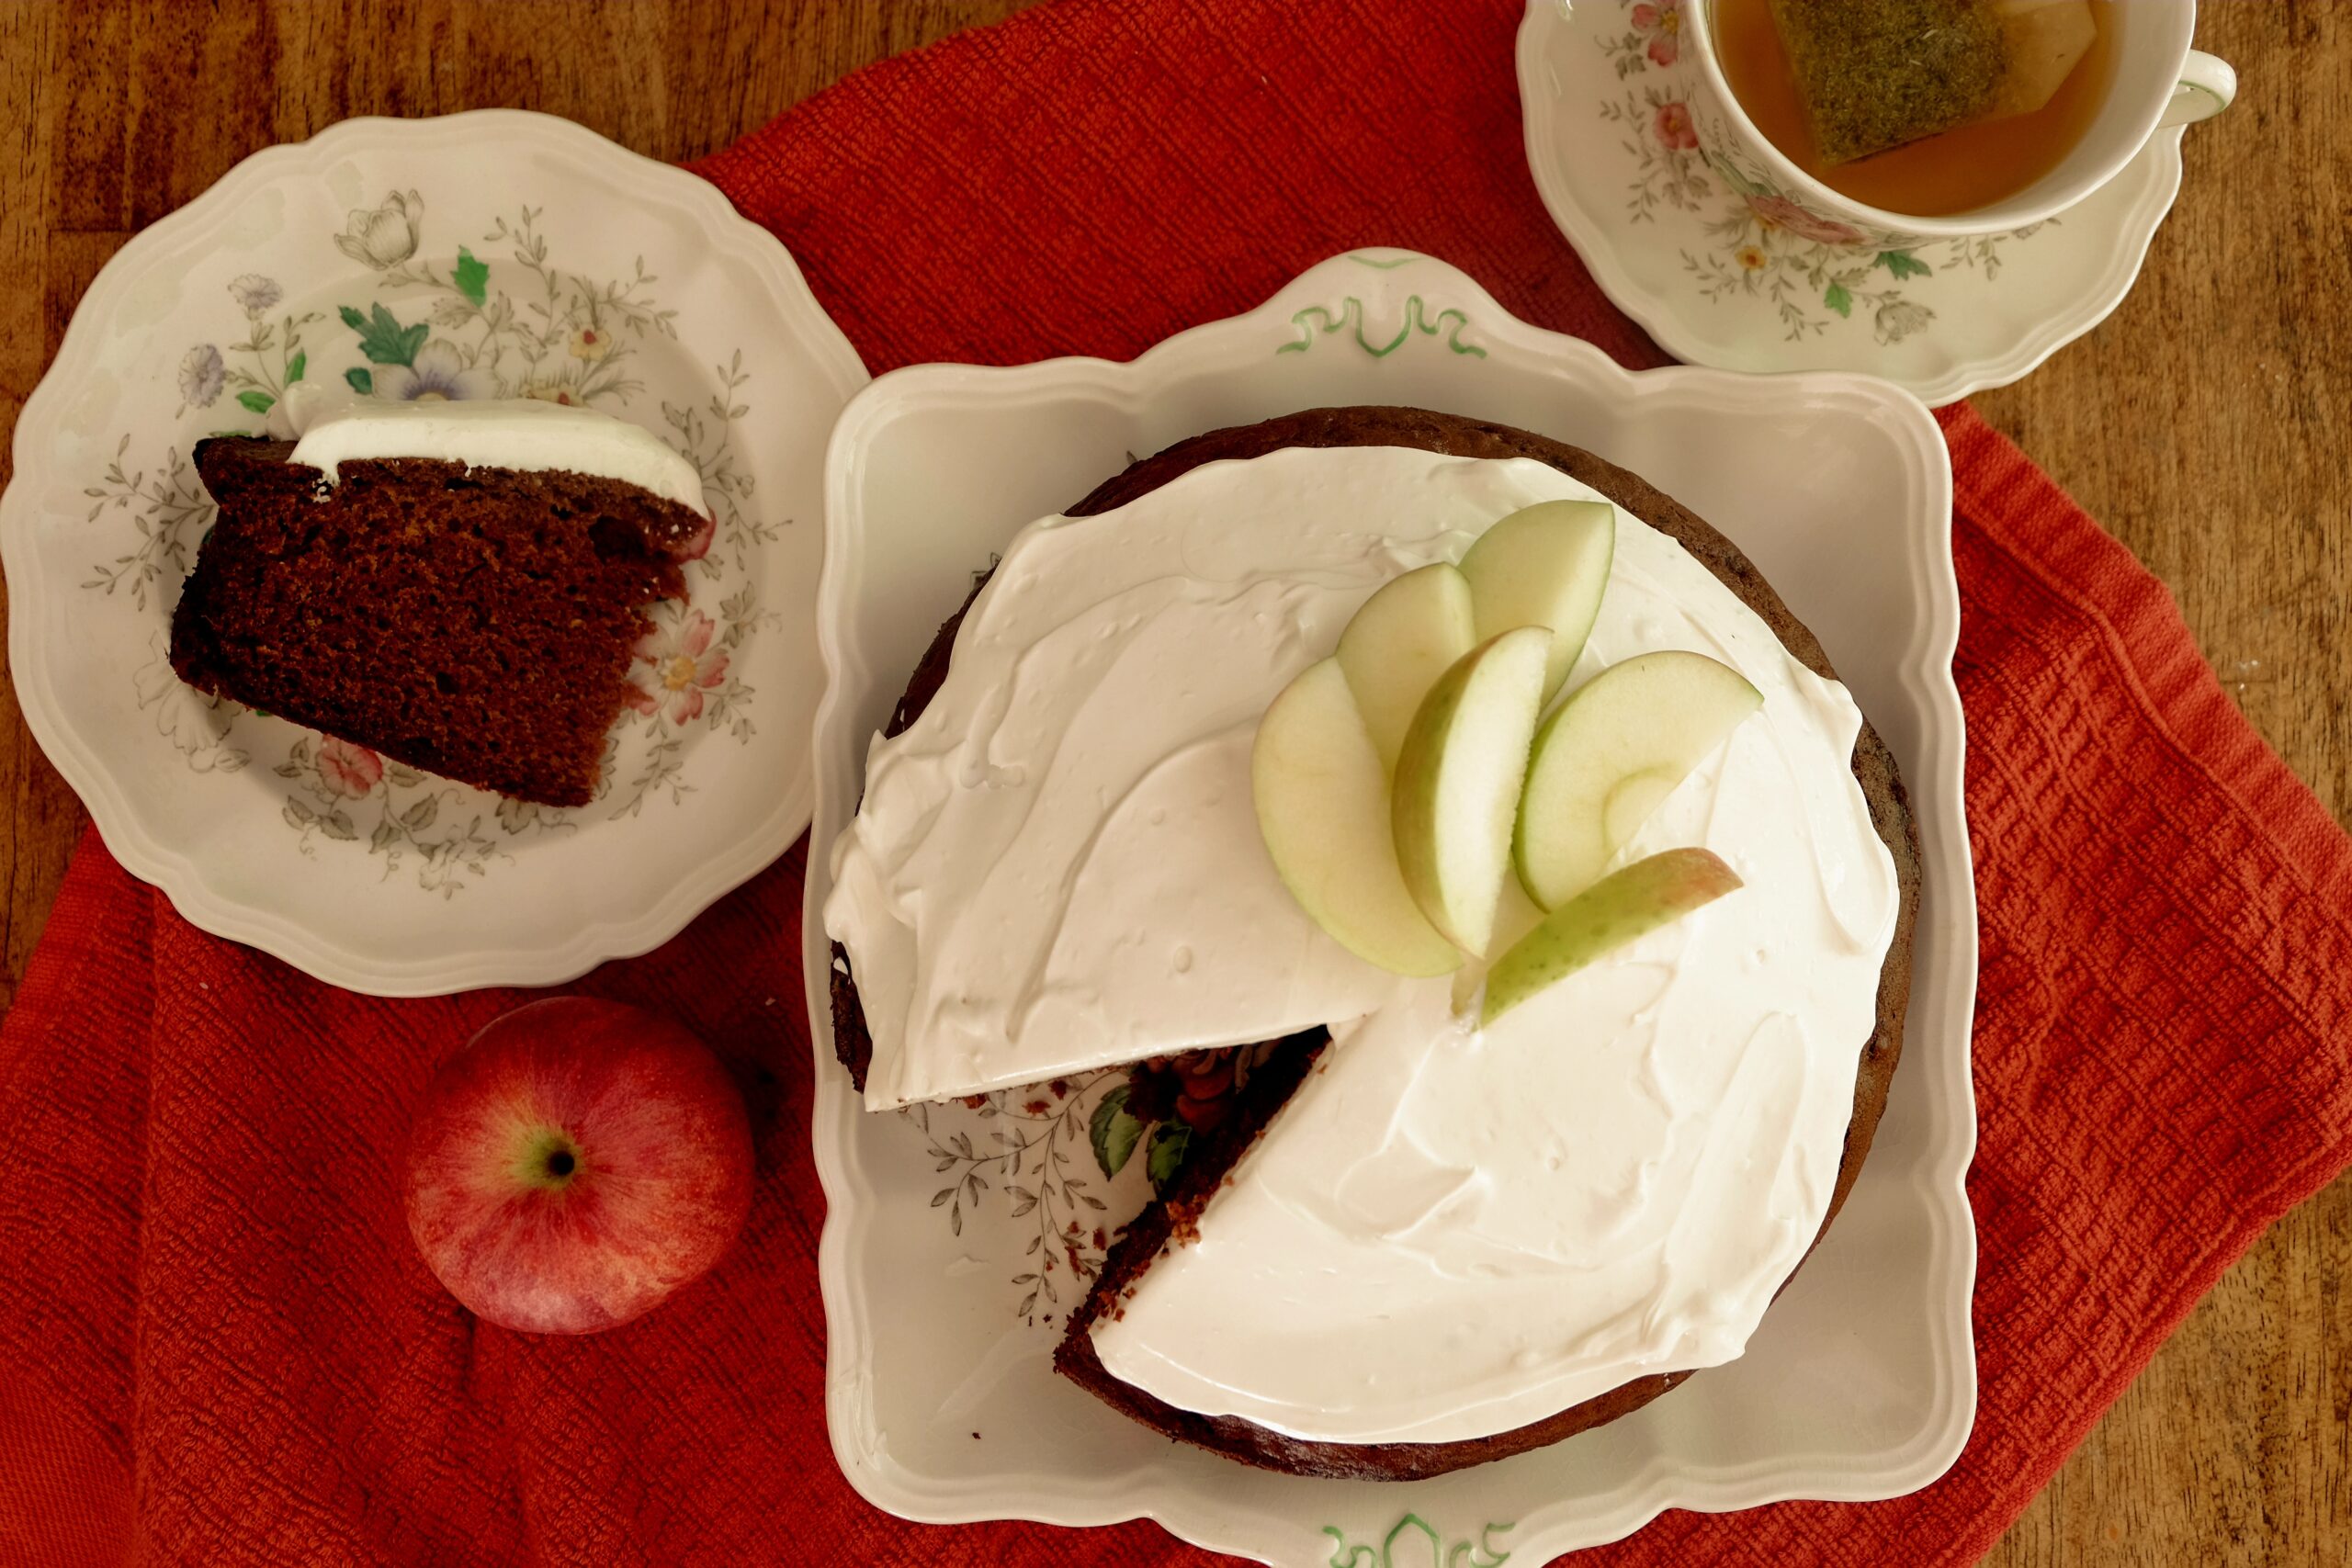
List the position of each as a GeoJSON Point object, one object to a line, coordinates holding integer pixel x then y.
{"type": "Point", "coordinates": [1419, 1245]}
{"type": "Point", "coordinates": [459, 587]}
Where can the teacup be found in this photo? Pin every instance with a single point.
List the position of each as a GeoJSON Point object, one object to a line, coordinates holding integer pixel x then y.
{"type": "Point", "coordinates": [2159, 80]}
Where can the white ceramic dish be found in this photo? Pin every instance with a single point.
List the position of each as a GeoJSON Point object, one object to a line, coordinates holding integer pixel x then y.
{"type": "Point", "coordinates": [494, 252]}
{"type": "Point", "coordinates": [1741, 280]}
{"type": "Point", "coordinates": [952, 1232]}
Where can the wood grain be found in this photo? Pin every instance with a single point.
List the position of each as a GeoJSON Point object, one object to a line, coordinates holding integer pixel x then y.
{"type": "Point", "coordinates": [2204, 423]}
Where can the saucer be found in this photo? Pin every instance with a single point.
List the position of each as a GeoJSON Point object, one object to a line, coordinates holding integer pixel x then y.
{"type": "Point", "coordinates": [1726, 275]}
{"type": "Point", "coordinates": [489, 254]}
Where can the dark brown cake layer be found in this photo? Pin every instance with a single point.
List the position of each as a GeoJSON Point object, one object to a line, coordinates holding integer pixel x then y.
{"type": "Point", "coordinates": [1169, 1220]}
{"type": "Point", "coordinates": [478, 624]}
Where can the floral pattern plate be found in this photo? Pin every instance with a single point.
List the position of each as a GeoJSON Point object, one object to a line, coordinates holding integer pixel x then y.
{"type": "Point", "coordinates": [1722, 270]}
{"type": "Point", "coordinates": [495, 253]}
{"type": "Point", "coordinates": [958, 1237]}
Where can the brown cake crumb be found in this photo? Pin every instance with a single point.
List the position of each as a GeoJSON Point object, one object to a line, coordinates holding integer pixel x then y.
{"type": "Point", "coordinates": [478, 624]}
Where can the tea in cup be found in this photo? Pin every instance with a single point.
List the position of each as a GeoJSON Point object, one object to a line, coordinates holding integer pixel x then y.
{"type": "Point", "coordinates": [1888, 122]}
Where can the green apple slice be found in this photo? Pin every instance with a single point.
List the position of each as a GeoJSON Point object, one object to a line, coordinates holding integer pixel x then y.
{"type": "Point", "coordinates": [1515, 916]}
{"type": "Point", "coordinates": [1404, 638]}
{"type": "Point", "coordinates": [1458, 778]}
{"type": "Point", "coordinates": [1610, 755]}
{"type": "Point", "coordinates": [1545, 565]}
{"type": "Point", "coordinates": [1322, 799]}
{"type": "Point", "coordinates": [1606, 916]}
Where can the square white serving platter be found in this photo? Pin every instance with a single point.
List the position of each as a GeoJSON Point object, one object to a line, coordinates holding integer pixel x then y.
{"type": "Point", "coordinates": [952, 1232]}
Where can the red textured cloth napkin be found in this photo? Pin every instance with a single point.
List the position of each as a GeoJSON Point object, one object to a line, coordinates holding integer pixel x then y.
{"type": "Point", "coordinates": [217, 1346]}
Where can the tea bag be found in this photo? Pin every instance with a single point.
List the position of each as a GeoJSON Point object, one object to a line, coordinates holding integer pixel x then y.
{"type": "Point", "coordinates": [1876, 74]}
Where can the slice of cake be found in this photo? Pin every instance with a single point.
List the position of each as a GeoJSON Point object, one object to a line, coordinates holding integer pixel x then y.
{"type": "Point", "coordinates": [1419, 1240]}
{"type": "Point", "coordinates": [459, 586]}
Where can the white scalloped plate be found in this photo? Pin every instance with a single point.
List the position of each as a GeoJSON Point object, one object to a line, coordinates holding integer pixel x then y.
{"type": "Point", "coordinates": [508, 253]}
{"type": "Point", "coordinates": [943, 1407]}
{"type": "Point", "coordinates": [1716, 283]}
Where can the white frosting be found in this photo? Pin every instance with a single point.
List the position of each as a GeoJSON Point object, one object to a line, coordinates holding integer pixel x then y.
{"type": "Point", "coordinates": [1446, 1233]}
{"type": "Point", "coordinates": [333, 426]}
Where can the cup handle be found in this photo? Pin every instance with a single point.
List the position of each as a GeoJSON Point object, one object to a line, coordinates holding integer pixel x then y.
{"type": "Point", "coordinates": [2207, 85]}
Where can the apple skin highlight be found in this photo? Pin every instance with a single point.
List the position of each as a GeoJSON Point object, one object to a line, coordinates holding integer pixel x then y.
{"type": "Point", "coordinates": [575, 1164]}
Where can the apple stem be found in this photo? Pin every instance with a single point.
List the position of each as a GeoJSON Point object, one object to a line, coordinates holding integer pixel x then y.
{"type": "Point", "coordinates": [548, 1160]}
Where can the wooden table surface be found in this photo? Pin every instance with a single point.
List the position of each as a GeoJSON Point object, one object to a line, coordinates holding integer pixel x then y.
{"type": "Point", "coordinates": [2204, 423]}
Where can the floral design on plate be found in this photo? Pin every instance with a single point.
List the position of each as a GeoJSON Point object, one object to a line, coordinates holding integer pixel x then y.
{"type": "Point", "coordinates": [1659, 135]}
{"type": "Point", "coordinates": [513, 325]}
{"type": "Point", "coordinates": [1019, 1144]}
{"type": "Point", "coordinates": [1348, 320]}
{"type": "Point", "coordinates": [343, 792]}
{"type": "Point", "coordinates": [1653, 36]}
{"type": "Point", "coordinates": [1761, 248]}
{"type": "Point", "coordinates": [1414, 1532]}
{"type": "Point", "coordinates": [684, 675]}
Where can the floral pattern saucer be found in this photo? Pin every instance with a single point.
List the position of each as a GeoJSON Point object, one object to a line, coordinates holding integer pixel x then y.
{"type": "Point", "coordinates": [488, 254]}
{"type": "Point", "coordinates": [1724, 270]}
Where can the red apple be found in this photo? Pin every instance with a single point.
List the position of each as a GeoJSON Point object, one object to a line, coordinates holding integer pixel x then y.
{"type": "Point", "coordinates": [575, 1164]}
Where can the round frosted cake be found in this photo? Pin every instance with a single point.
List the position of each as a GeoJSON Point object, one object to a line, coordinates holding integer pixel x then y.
{"type": "Point", "coordinates": [1417, 1243]}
